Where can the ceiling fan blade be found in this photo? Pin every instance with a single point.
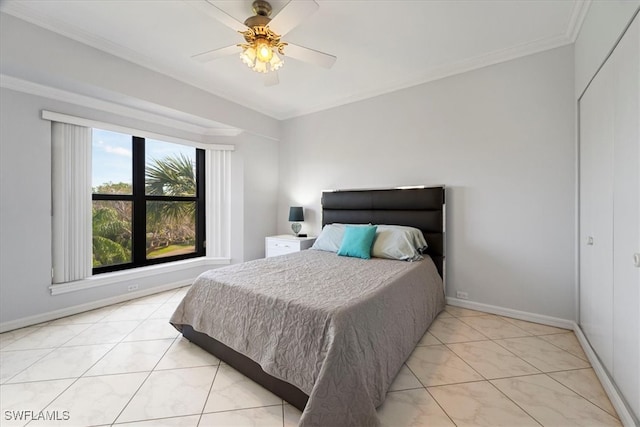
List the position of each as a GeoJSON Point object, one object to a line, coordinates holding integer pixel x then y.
{"type": "Point", "coordinates": [215, 12]}
{"type": "Point", "coordinates": [291, 15]}
{"type": "Point", "coordinates": [309, 55]}
{"type": "Point", "coordinates": [216, 53]}
{"type": "Point", "coordinates": [271, 79]}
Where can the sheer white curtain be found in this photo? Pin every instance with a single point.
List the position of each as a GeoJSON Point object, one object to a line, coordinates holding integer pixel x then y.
{"type": "Point", "coordinates": [218, 203]}
{"type": "Point", "coordinates": [71, 202]}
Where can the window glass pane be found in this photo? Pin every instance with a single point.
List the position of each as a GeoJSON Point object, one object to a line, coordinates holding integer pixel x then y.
{"type": "Point", "coordinates": [111, 232]}
{"type": "Point", "coordinates": [170, 169]}
{"type": "Point", "coordinates": [112, 167]}
{"type": "Point", "coordinates": [171, 228]}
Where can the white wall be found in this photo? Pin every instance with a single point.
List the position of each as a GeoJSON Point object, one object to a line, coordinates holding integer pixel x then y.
{"type": "Point", "coordinates": [261, 164]}
{"type": "Point", "coordinates": [500, 138]}
{"type": "Point", "coordinates": [255, 179]}
{"type": "Point", "coordinates": [602, 27]}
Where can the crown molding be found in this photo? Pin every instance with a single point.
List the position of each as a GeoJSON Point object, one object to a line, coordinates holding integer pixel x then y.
{"type": "Point", "coordinates": [578, 15]}
{"type": "Point", "coordinates": [25, 86]}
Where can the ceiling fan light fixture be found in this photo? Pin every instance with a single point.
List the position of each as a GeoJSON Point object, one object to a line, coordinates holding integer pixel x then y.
{"type": "Point", "coordinates": [264, 52]}
{"type": "Point", "coordinates": [276, 63]}
{"type": "Point", "coordinates": [260, 67]}
{"type": "Point", "coordinates": [261, 59]}
{"type": "Point", "coordinates": [259, 51]}
{"type": "Point", "coordinates": [263, 48]}
{"type": "Point", "coordinates": [248, 56]}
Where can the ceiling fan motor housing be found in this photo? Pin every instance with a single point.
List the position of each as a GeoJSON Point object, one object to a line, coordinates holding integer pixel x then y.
{"type": "Point", "coordinates": [259, 28]}
{"type": "Point", "coordinates": [262, 10]}
{"type": "Point", "coordinates": [261, 7]}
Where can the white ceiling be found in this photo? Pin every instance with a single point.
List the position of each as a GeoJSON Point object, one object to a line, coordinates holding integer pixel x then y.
{"type": "Point", "coordinates": [381, 45]}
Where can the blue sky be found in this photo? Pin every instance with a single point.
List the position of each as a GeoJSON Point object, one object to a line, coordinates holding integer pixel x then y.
{"type": "Point", "coordinates": [112, 155]}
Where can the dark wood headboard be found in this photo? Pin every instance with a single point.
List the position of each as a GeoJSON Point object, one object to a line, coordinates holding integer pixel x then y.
{"type": "Point", "coordinates": [422, 208]}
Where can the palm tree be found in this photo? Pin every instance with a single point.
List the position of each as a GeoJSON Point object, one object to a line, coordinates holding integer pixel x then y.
{"type": "Point", "coordinates": [171, 176]}
{"type": "Point", "coordinates": [170, 221]}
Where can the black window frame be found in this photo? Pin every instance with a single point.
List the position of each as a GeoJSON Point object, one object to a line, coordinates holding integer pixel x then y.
{"type": "Point", "coordinates": [139, 200]}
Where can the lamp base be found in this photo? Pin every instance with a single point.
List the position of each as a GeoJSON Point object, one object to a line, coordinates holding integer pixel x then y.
{"type": "Point", "coordinates": [296, 227]}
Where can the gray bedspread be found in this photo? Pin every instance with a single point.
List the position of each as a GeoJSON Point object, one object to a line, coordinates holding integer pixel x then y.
{"type": "Point", "coordinates": [337, 328]}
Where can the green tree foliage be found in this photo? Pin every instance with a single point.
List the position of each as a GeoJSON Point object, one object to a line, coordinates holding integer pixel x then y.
{"type": "Point", "coordinates": [114, 188]}
{"type": "Point", "coordinates": [110, 223]}
{"type": "Point", "coordinates": [108, 252]}
{"type": "Point", "coordinates": [111, 232]}
{"type": "Point", "coordinates": [168, 222]}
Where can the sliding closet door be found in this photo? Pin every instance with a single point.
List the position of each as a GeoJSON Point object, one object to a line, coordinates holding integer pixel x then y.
{"type": "Point", "coordinates": [596, 214]}
{"type": "Point", "coordinates": [626, 216]}
{"type": "Point", "coordinates": [610, 215]}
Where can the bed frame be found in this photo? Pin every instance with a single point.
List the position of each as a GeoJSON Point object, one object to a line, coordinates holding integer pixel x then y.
{"type": "Point", "coordinates": [422, 208]}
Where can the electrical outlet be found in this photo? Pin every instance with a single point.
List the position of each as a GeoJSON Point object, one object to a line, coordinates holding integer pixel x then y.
{"type": "Point", "coordinates": [462, 295]}
{"type": "Point", "coordinates": [132, 288]}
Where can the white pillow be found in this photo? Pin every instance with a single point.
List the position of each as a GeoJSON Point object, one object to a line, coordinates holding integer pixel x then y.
{"type": "Point", "coordinates": [398, 242]}
{"type": "Point", "coordinates": [330, 238]}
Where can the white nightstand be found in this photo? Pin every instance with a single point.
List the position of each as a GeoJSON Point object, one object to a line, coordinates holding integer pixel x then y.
{"type": "Point", "coordinates": [286, 244]}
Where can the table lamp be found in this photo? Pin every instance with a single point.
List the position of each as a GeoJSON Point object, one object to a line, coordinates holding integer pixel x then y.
{"type": "Point", "coordinates": [295, 215]}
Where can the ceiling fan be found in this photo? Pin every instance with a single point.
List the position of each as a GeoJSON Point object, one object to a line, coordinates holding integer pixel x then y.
{"type": "Point", "coordinates": [262, 35]}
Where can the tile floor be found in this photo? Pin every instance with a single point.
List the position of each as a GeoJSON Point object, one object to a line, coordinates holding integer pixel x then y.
{"type": "Point", "coordinates": [124, 365]}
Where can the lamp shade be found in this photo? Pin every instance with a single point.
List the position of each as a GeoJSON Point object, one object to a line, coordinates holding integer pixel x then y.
{"type": "Point", "coordinates": [296, 214]}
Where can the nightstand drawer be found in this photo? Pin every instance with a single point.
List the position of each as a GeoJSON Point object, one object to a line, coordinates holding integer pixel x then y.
{"type": "Point", "coordinates": [279, 250]}
{"type": "Point", "coordinates": [286, 244]}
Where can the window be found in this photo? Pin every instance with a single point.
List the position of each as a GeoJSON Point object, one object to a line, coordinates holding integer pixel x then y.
{"type": "Point", "coordinates": [124, 198]}
{"type": "Point", "coordinates": [148, 201]}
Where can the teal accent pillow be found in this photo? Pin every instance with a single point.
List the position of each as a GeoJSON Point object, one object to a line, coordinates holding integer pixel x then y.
{"type": "Point", "coordinates": [357, 241]}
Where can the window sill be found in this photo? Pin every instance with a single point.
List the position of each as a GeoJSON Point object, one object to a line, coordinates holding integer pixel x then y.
{"type": "Point", "coordinates": [135, 273]}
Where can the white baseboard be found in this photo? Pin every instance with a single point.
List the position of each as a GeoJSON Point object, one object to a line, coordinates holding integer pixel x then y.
{"type": "Point", "coordinates": [69, 311]}
{"type": "Point", "coordinates": [618, 402]}
{"type": "Point", "coordinates": [516, 314]}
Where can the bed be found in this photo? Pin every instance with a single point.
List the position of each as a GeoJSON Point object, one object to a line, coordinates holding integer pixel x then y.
{"type": "Point", "coordinates": [326, 333]}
